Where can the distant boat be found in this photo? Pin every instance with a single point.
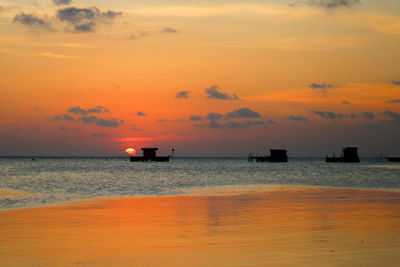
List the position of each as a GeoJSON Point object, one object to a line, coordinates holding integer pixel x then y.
{"type": "Point", "coordinates": [149, 154]}
{"type": "Point", "coordinates": [393, 159]}
{"type": "Point", "coordinates": [277, 155]}
{"type": "Point", "coordinates": [350, 155]}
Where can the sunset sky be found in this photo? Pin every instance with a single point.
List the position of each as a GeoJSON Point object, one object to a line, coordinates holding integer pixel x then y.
{"type": "Point", "coordinates": [208, 78]}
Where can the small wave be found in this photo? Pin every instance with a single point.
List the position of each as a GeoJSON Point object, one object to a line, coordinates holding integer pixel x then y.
{"type": "Point", "coordinates": [13, 194]}
{"type": "Point", "coordinates": [386, 166]}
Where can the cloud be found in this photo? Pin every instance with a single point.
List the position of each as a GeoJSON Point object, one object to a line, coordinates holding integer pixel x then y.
{"type": "Point", "coordinates": [99, 135]}
{"type": "Point", "coordinates": [213, 93]}
{"type": "Point", "coordinates": [161, 120]}
{"type": "Point", "coordinates": [85, 19]}
{"type": "Point", "coordinates": [213, 116]}
{"type": "Point", "coordinates": [397, 83]}
{"type": "Point", "coordinates": [236, 125]}
{"type": "Point", "coordinates": [32, 21]}
{"type": "Point", "coordinates": [329, 114]}
{"type": "Point", "coordinates": [169, 30]}
{"type": "Point", "coordinates": [327, 4]}
{"type": "Point", "coordinates": [182, 94]}
{"type": "Point", "coordinates": [297, 118]}
{"type": "Point", "coordinates": [78, 110]}
{"type": "Point", "coordinates": [113, 123]}
{"type": "Point", "coordinates": [393, 101]}
{"type": "Point", "coordinates": [134, 128]}
{"type": "Point", "coordinates": [323, 87]}
{"type": "Point", "coordinates": [61, 2]}
{"type": "Point", "coordinates": [392, 115]}
{"type": "Point", "coordinates": [131, 37]}
{"type": "Point", "coordinates": [45, 54]}
{"type": "Point", "coordinates": [86, 27]}
{"type": "Point", "coordinates": [139, 113]}
{"type": "Point", "coordinates": [345, 102]}
{"type": "Point", "coordinates": [195, 118]}
{"type": "Point", "coordinates": [368, 115]}
{"type": "Point", "coordinates": [243, 113]}
{"type": "Point", "coordinates": [63, 117]}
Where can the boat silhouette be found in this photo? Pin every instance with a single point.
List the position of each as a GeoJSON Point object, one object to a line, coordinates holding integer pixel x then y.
{"type": "Point", "coordinates": [149, 154]}
{"type": "Point", "coordinates": [349, 155]}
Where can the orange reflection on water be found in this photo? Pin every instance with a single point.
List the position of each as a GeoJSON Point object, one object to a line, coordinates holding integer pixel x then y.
{"type": "Point", "coordinates": [287, 226]}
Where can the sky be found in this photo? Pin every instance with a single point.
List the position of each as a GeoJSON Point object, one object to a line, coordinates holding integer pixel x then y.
{"type": "Point", "coordinates": [207, 78]}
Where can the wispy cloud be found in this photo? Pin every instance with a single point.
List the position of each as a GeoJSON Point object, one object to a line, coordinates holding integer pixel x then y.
{"type": "Point", "coordinates": [368, 115]}
{"type": "Point", "coordinates": [112, 123]}
{"type": "Point", "coordinates": [85, 19]}
{"type": "Point", "coordinates": [40, 54]}
{"type": "Point", "coordinates": [395, 117]}
{"type": "Point", "coordinates": [297, 118]}
{"type": "Point", "coordinates": [182, 94]}
{"type": "Point", "coordinates": [214, 116]}
{"type": "Point", "coordinates": [393, 101]}
{"type": "Point", "coordinates": [329, 114]}
{"type": "Point", "coordinates": [395, 82]}
{"type": "Point", "coordinates": [80, 111]}
{"type": "Point", "coordinates": [61, 2]}
{"type": "Point", "coordinates": [83, 117]}
{"type": "Point", "coordinates": [213, 93]}
{"type": "Point", "coordinates": [327, 4]}
{"type": "Point", "coordinates": [323, 86]}
{"type": "Point", "coordinates": [169, 30]}
{"type": "Point", "coordinates": [243, 113]}
{"type": "Point", "coordinates": [235, 124]}
{"type": "Point", "coordinates": [63, 117]}
{"type": "Point", "coordinates": [33, 21]}
{"type": "Point", "coordinates": [99, 135]}
{"type": "Point", "coordinates": [195, 118]}
{"type": "Point", "coordinates": [134, 128]}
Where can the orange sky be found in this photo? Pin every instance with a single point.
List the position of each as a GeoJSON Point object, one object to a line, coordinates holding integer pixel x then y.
{"type": "Point", "coordinates": [311, 78]}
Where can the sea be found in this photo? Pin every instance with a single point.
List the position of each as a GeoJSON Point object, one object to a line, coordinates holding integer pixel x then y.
{"type": "Point", "coordinates": [43, 181]}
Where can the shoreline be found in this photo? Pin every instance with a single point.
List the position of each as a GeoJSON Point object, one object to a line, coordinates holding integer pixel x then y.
{"type": "Point", "coordinates": [211, 191]}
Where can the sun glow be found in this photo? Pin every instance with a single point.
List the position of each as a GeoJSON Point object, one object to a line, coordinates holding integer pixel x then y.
{"type": "Point", "coordinates": [130, 151]}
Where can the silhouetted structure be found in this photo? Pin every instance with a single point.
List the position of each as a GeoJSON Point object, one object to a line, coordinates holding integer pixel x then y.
{"type": "Point", "coordinates": [150, 154]}
{"type": "Point", "coordinates": [277, 155]}
{"type": "Point", "coordinates": [350, 155]}
{"type": "Point", "coordinates": [393, 159]}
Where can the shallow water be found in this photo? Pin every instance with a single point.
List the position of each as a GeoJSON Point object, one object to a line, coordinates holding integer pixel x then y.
{"type": "Point", "coordinates": [46, 181]}
{"type": "Point", "coordinates": [285, 226]}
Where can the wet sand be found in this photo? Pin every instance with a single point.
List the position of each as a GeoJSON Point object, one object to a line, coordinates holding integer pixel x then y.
{"type": "Point", "coordinates": [285, 226]}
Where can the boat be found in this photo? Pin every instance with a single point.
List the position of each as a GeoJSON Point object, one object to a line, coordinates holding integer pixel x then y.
{"type": "Point", "coordinates": [393, 159]}
{"type": "Point", "coordinates": [277, 155]}
{"type": "Point", "coordinates": [350, 155]}
{"type": "Point", "coordinates": [149, 154]}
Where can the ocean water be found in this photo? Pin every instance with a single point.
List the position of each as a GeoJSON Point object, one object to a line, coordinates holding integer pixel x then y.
{"type": "Point", "coordinates": [48, 181]}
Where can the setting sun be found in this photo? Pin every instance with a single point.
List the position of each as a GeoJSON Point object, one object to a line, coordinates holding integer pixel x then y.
{"type": "Point", "coordinates": [130, 151]}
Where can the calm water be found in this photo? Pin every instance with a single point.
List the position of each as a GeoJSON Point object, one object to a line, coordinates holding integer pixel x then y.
{"type": "Point", "coordinates": [27, 183]}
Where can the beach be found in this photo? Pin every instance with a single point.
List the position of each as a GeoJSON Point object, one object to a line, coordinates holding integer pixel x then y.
{"type": "Point", "coordinates": [281, 226]}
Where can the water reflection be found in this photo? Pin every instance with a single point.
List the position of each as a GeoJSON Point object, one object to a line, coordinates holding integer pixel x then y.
{"type": "Point", "coordinates": [289, 226]}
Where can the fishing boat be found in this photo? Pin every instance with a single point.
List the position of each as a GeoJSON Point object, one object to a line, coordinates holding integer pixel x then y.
{"type": "Point", "coordinates": [393, 159]}
{"type": "Point", "coordinates": [149, 154]}
{"type": "Point", "coordinates": [277, 155]}
{"type": "Point", "coordinates": [350, 155]}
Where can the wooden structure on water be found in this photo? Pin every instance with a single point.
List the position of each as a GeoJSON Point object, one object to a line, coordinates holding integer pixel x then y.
{"type": "Point", "coordinates": [149, 154]}
{"type": "Point", "coordinates": [349, 155]}
{"type": "Point", "coordinates": [393, 159]}
{"type": "Point", "coordinates": [277, 155]}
